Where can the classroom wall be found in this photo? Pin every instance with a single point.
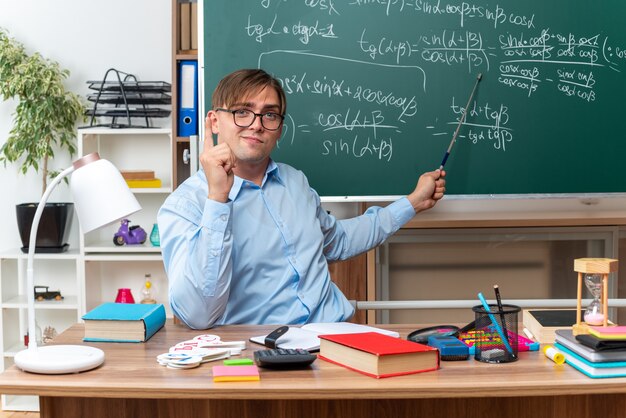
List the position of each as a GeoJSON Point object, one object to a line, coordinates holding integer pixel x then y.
{"type": "Point", "coordinates": [87, 38]}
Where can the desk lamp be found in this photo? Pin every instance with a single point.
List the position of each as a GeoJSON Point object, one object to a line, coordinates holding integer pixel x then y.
{"type": "Point", "coordinates": [101, 196]}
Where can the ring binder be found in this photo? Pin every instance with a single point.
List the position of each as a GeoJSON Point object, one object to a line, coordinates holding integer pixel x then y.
{"type": "Point", "coordinates": [188, 98]}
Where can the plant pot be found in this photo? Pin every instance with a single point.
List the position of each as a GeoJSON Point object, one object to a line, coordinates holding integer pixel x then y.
{"type": "Point", "coordinates": [54, 226]}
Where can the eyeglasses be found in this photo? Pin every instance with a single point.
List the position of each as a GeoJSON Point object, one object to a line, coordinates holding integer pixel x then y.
{"type": "Point", "coordinates": [244, 118]}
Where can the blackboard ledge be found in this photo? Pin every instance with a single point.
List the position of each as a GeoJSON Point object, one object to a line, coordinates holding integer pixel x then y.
{"type": "Point", "coordinates": [585, 198]}
{"type": "Point", "coordinates": [523, 211]}
{"type": "Point", "coordinates": [358, 199]}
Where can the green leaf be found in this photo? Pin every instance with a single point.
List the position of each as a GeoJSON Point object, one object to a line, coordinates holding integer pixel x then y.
{"type": "Point", "coordinates": [45, 117]}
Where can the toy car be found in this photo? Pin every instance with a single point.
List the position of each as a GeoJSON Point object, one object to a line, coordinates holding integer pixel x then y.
{"type": "Point", "coordinates": [42, 293]}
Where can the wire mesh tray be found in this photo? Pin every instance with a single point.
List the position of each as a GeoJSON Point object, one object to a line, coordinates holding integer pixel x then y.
{"type": "Point", "coordinates": [131, 86]}
{"type": "Point", "coordinates": [131, 98]}
{"type": "Point", "coordinates": [133, 113]}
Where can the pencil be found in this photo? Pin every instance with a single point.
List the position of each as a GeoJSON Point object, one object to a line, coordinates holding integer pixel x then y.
{"type": "Point", "coordinates": [495, 323]}
{"type": "Point", "coordinates": [496, 289]}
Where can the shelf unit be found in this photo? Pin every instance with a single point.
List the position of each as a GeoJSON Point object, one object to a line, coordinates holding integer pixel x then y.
{"type": "Point", "coordinates": [106, 267]}
{"type": "Point", "coordinates": [59, 271]}
{"type": "Point", "coordinates": [90, 274]}
{"type": "Point", "coordinates": [181, 145]}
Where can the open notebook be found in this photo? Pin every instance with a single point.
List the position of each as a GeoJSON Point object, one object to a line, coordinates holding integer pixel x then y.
{"type": "Point", "coordinates": [305, 337]}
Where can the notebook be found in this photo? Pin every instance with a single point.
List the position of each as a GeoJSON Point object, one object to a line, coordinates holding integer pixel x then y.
{"type": "Point", "coordinates": [593, 370]}
{"type": "Point", "coordinates": [566, 338]}
{"type": "Point", "coordinates": [306, 336]}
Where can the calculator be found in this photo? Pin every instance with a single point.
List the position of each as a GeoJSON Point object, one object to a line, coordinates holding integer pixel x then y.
{"type": "Point", "coordinates": [281, 358]}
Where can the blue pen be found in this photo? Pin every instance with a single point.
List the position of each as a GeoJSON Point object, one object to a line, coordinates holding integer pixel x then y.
{"type": "Point", "coordinates": [505, 341]}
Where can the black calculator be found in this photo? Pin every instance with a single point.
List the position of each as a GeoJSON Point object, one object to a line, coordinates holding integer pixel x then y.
{"type": "Point", "coordinates": [282, 358]}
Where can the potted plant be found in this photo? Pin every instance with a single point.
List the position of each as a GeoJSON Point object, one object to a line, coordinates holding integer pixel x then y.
{"type": "Point", "coordinates": [43, 123]}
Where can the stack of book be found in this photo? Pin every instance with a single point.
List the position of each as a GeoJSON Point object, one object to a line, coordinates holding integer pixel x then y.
{"type": "Point", "coordinates": [187, 25]}
{"type": "Point", "coordinates": [141, 179]}
{"type": "Point", "coordinates": [595, 358]}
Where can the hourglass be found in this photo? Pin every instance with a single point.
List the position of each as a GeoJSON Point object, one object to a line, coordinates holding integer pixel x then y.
{"type": "Point", "coordinates": [595, 274]}
{"type": "Point", "coordinates": [594, 314]}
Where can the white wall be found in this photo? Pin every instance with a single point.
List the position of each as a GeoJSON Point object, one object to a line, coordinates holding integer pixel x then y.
{"type": "Point", "coordinates": [87, 38]}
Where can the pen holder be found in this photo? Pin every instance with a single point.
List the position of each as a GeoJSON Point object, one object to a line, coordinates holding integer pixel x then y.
{"type": "Point", "coordinates": [490, 328]}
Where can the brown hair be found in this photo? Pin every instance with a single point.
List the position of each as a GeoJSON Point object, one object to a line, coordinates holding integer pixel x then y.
{"type": "Point", "coordinates": [237, 85]}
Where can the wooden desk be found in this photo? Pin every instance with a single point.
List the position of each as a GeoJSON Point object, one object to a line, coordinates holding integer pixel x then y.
{"type": "Point", "coordinates": [132, 384]}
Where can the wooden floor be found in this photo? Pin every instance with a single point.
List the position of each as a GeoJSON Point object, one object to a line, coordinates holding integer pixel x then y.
{"type": "Point", "coordinates": [13, 414]}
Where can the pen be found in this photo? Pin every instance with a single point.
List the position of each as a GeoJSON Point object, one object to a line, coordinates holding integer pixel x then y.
{"type": "Point", "coordinates": [495, 323]}
{"type": "Point", "coordinates": [461, 120]}
{"type": "Point", "coordinates": [496, 289]}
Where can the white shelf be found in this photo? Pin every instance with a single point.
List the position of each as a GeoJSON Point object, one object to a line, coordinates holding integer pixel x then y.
{"type": "Point", "coordinates": [150, 190]}
{"type": "Point", "coordinates": [17, 254]}
{"type": "Point", "coordinates": [109, 247]}
{"type": "Point", "coordinates": [123, 257]}
{"type": "Point", "coordinates": [15, 348]}
{"type": "Point", "coordinates": [19, 302]}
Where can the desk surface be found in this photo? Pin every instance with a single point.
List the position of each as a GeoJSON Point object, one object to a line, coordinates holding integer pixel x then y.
{"type": "Point", "coordinates": [131, 371]}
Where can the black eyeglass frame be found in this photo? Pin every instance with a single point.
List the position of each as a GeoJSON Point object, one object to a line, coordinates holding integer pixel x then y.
{"type": "Point", "coordinates": [260, 115]}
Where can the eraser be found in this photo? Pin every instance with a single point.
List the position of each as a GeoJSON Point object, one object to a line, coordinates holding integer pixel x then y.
{"type": "Point", "coordinates": [238, 362]}
{"type": "Point", "coordinates": [493, 353]}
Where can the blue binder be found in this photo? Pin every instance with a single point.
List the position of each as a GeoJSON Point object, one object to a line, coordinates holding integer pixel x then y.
{"type": "Point", "coordinates": [187, 98]}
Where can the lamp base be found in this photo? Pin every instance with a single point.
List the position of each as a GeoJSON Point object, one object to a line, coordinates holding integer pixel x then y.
{"type": "Point", "coordinates": [59, 359]}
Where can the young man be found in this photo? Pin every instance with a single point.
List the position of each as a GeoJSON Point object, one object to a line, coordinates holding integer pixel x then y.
{"type": "Point", "coordinates": [246, 240]}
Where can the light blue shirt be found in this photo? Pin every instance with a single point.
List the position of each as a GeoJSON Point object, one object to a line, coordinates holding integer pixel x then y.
{"type": "Point", "coordinates": [262, 257]}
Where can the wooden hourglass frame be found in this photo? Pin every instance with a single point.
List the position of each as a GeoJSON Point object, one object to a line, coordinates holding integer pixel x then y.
{"type": "Point", "coordinates": [602, 266]}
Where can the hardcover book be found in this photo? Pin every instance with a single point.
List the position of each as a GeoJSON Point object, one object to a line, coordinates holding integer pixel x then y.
{"type": "Point", "coordinates": [123, 322]}
{"type": "Point", "coordinates": [378, 355]}
{"type": "Point", "coordinates": [138, 174]}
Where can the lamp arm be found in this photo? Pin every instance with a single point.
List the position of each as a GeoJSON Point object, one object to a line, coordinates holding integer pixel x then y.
{"type": "Point", "coordinates": [30, 279]}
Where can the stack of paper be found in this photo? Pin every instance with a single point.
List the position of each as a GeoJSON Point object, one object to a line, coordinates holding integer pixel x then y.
{"type": "Point", "coordinates": [307, 336]}
{"type": "Point", "coordinates": [235, 373]}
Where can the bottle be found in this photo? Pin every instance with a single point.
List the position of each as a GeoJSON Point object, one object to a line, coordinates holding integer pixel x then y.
{"type": "Point", "coordinates": [154, 236]}
{"type": "Point", "coordinates": [124, 295]}
{"type": "Point", "coordinates": [146, 290]}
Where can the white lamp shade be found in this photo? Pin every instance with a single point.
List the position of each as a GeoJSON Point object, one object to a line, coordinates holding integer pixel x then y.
{"type": "Point", "coordinates": [101, 195]}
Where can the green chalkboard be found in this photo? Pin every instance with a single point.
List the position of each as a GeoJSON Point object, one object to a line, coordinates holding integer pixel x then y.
{"type": "Point", "coordinates": [375, 89]}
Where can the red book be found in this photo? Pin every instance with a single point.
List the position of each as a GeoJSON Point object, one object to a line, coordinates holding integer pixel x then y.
{"type": "Point", "coordinates": [378, 355]}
